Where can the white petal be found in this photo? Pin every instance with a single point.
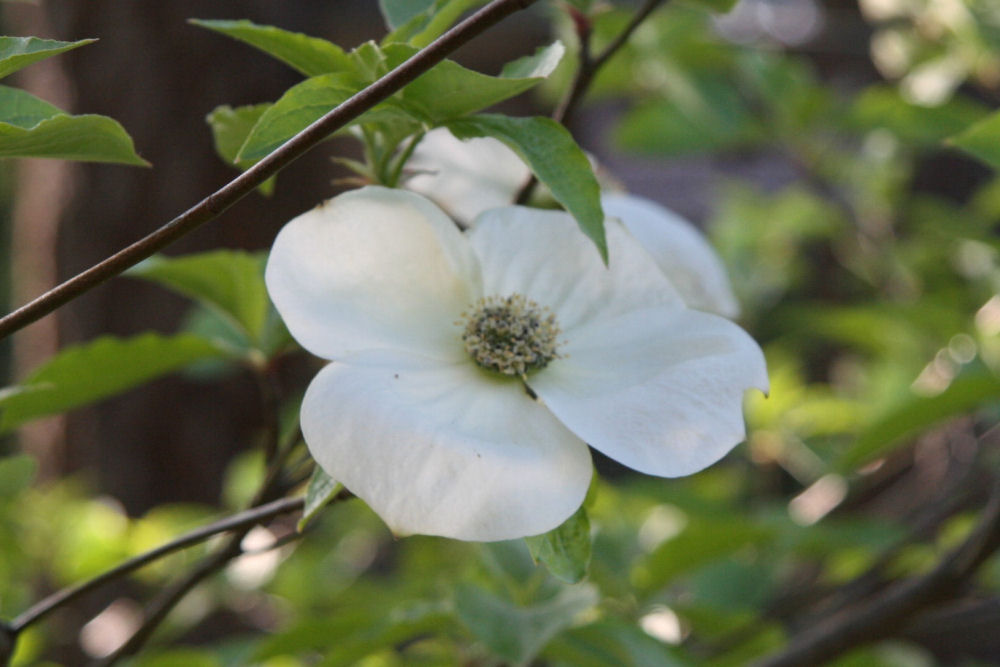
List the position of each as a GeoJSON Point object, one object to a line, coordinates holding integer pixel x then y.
{"type": "Point", "coordinates": [680, 251]}
{"type": "Point", "coordinates": [373, 268]}
{"type": "Point", "coordinates": [465, 177]}
{"type": "Point", "coordinates": [659, 390]}
{"type": "Point", "coordinates": [443, 449]}
{"type": "Point", "coordinates": [545, 257]}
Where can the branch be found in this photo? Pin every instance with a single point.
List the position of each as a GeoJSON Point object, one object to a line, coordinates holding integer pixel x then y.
{"type": "Point", "coordinates": [887, 613]}
{"type": "Point", "coordinates": [246, 519]}
{"type": "Point", "coordinates": [213, 205]}
{"type": "Point", "coordinates": [169, 597]}
{"type": "Point", "coordinates": [589, 67]}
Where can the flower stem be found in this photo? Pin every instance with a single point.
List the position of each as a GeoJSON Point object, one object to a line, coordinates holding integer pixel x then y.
{"type": "Point", "coordinates": [213, 205]}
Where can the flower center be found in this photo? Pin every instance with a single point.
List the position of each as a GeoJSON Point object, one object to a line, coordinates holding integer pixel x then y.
{"type": "Point", "coordinates": [510, 335]}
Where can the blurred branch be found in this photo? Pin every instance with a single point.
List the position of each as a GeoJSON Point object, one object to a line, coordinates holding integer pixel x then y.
{"type": "Point", "coordinates": [885, 614]}
{"type": "Point", "coordinates": [162, 604]}
{"type": "Point", "coordinates": [246, 519]}
{"type": "Point", "coordinates": [588, 68]}
{"type": "Point", "coordinates": [213, 205]}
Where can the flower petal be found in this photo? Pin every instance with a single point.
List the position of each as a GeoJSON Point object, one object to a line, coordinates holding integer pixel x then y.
{"type": "Point", "coordinates": [542, 255]}
{"type": "Point", "coordinates": [373, 268]}
{"type": "Point", "coordinates": [659, 390]}
{"type": "Point", "coordinates": [465, 177]}
{"type": "Point", "coordinates": [443, 449]}
{"type": "Point", "coordinates": [680, 251]}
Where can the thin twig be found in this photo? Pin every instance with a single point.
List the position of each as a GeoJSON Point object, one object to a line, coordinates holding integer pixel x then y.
{"type": "Point", "coordinates": [587, 69]}
{"type": "Point", "coordinates": [591, 65]}
{"type": "Point", "coordinates": [213, 205]}
{"type": "Point", "coordinates": [250, 518]}
{"type": "Point", "coordinates": [890, 610]}
{"type": "Point", "coordinates": [169, 597]}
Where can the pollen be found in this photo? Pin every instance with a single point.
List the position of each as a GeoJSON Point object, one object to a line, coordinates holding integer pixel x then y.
{"type": "Point", "coordinates": [510, 335]}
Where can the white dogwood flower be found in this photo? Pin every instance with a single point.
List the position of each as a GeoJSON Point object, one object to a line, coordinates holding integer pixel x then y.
{"type": "Point", "coordinates": [468, 177]}
{"type": "Point", "coordinates": [472, 369]}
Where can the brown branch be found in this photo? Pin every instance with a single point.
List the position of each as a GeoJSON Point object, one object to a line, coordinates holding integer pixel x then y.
{"type": "Point", "coordinates": [213, 205]}
{"type": "Point", "coordinates": [886, 614]}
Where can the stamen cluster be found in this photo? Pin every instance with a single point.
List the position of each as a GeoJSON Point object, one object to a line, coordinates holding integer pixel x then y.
{"type": "Point", "coordinates": [511, 335]}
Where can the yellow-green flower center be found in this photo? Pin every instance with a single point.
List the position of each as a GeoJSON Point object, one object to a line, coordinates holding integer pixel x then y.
{"type": "Point", "coordinates": [510, 335]}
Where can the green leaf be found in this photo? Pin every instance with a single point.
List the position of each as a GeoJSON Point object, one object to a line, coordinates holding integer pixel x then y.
{"type": "Point", "coordinates": [309, 55]}
{"type": "Point", "coordinates": [981, 140]}
{"type": "Point", "coordinates": [347, 637]}
{"type": "Point", "coordinates": [305, 103]}
{"type": "Point", "coordinates": [704, 540]}
{"type": "Point", "coordinates": [23, 109]}
{"type": "Point", "coordinates": [398, 12]}
{"type": "Point", "coordinates": [425, 27]}
{"type": "Point", "coordinates": [566, 549]}
{"type": "Point", "coordinates": [16, 474]}
{"type": "Point", "coordinates": [719, 6]}
{"type": "Point", "coordinates": [884, 107]}
{"type": "Point", "coordinates": [18, 52]}
{"type": "Point", "coordinates": [664, 127]}
{"type": "Point", "coordinates": [30, 127]}
{"type": "Point", "coordinates": [554, 157]}
{"type": "Point", "coordinates": [300, 106]}
{"type": "Point", "coordinates": [230, 282]}
{"type": "Point", "coordinates": [189, 657]}
{"type": "Point", "coordinates": [320, 491]}
{"type": "Point", "coordinates": [969, 391]}
{"type": "Point", "coordinates": [516, 634]}
{"type": "Point", "coordinates": [106, 366]}
{"type": "Point", "coordinates": [449, 90]}
{"type": "Point", "coordinates": [230, 129]}
{"type": "Point", "coordinates": [609, 641]}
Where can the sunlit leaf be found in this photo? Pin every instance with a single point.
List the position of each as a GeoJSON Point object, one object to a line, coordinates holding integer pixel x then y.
{"type": "Point", "coordinates": [18, 52]}
{"type": "Point", "coordinates": [556, 160]}
{"type": "Point", "coordinates": [30, 127]}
